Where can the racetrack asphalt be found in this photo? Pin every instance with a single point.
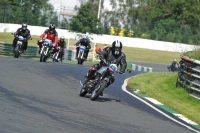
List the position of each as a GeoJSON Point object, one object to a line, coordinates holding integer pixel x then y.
{"type": "Point", "coordinates": [40, 97]}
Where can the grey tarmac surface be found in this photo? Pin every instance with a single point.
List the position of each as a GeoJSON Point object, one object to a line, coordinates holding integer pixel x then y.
{"type": "Point", "coordinates": [40, 97]}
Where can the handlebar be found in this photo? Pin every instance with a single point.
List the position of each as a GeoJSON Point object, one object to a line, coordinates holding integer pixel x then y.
{"type": "Point", "coordinates": [104, 61]}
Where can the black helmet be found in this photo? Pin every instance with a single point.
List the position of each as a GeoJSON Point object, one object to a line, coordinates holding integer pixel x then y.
{"type": "Point", "coordinates": [24, 26]}
{"type": "Point", "coordinates": [52, 28]}
{"type": "Point", "coordinates": [116, 47]}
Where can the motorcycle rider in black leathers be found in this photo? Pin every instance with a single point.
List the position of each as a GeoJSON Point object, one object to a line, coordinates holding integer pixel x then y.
{"type": "Point", "coordinates": [25, 33]}
{"type": "Point", "coordinates": [62, 45]}
{"type": "Point", "coordinates": [110, 55]}
{"type": "Point", "coordinates": [174, 66]}
{"type": "Point", "coordinates": [85, 42]}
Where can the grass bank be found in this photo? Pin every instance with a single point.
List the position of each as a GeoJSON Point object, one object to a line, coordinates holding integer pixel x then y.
{"type": "Point", "coordinates": [162, 87]}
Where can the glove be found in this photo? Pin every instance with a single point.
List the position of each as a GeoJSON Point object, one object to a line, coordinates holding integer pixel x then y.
{"type": "Point", "coordinates": [129, 70]}
{"type": "Point", "coordinates": [40, 40]}
{"type": "Point", "coordinates": [54, 44]}
{"type": "Point", "coordinates": [105, 62]}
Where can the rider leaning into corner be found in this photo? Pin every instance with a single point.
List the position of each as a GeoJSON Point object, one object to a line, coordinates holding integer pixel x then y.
{"type": "Point", "coordinates": [85, 42]}
{"type": "Point", "coordinates": [112, 54]}
{"type": "Point", "coordinates": [24, 32]}
{"type": "Point", "coordinates": [50, 34]}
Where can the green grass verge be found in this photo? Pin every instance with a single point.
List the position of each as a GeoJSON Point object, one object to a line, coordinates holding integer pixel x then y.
{"type": "Point", "coordinates": [162, 86]}
{"type": "Point", "coordinates": [132, 54]}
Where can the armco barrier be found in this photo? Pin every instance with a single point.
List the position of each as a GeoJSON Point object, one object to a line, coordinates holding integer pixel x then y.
{"type": "Point", "coordinates": [189, 76]}
{"type": "Point", "coordinates": [32, 51]}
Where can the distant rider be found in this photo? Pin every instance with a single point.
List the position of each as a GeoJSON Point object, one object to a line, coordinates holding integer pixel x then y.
{"type": "Point", "coordinates": [85, 42]}
{"type": "Point", "coordinates": [173, 66]}
{"type": "Point", "coordinates": [25, 33]}
{"type": "Point", "coordinates": [62, 45]}
{"type": "Point", "coordinates": [50, 34]}
{"type": "Point", "coordinates": [112, 54]}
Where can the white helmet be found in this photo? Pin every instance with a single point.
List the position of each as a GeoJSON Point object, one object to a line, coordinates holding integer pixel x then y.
{"type": "Point", "coordinates": [85, 36]}
{"type": "Point", "coordinates": [62, 38]}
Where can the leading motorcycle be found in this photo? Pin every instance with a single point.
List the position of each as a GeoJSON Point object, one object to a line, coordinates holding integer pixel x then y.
{"type": "Point", "coordinates": [45, 50]}
{"type": "Point", "coordinates": [102, 78]}
{"type": "Point", "coordinates": [19, 48]}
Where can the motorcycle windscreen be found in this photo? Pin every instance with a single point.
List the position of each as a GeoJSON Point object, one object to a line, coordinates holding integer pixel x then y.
{"type": "Point", "coordinates": [82, 48]}
{"type": "Point", "coordinates": [20, 38]}
{"type": "Point", "coordinates": [113, 68]}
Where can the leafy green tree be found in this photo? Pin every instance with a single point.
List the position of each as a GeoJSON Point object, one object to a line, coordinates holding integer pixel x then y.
{"type": "Point", "coordinates": [29, 11]}
{"type": "Point", "coordinates": [64, 23]}
{"type": "Point", "coordinates": [86, 20]}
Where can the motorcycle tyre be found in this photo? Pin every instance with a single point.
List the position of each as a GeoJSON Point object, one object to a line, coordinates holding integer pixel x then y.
{"type": "Point", "coordinates": [83, 92]}
{"type": "Point", "coordinates": [16, 53]}
{"type": "Point", "coordinates": [42, 58]}
{"type": "Point", "coordinates": [54, 55]}
{"type": "Point", "coordinates": [80, 61]}
{"type": "Point", "coordinates": [95, 94]}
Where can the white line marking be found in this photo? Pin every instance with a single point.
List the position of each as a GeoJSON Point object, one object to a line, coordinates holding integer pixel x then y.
{"type": "Point", "coordinates": [124, 89]}
{"type": "Point", "coordinates": [153, 101]}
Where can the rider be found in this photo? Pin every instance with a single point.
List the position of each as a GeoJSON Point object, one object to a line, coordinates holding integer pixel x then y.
{"type": "Point", "coordinates": [51, 35]}
{"type": "Point", "coordinates": [173, 66]}
{"type": "Point", "coordinates": [112, 54]}
{"type": "Point", "coordinates": [62, 45]}
{"type": "Point", "coordinates": [85, 42]}
{"type": "Point", "coordinates": [25, 33]}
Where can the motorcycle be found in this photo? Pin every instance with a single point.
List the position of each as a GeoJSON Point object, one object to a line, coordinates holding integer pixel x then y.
{"type": "Point", "coordinates": [81, 55]}
{"type": "Point", "coordinates": [45, 50]}
{"type": "Point", "coordinates": [102, 78]}
{"type": "Point", "coordinates": [174, 69]}
{"type": "Point", "coordinates": [19, 48]}
{"type": "Point", "coordinates": [57, 55]}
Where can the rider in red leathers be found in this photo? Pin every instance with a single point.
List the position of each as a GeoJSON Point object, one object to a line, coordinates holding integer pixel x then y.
{"type": "Point", "coordinates": [50, 34]}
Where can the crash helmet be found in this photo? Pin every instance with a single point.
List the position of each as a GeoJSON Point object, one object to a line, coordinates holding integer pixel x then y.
{"type": "Point", "coordinates": [116, 47]}
{"type": "Point", "coordinates": [52, 28]}
{"type": "Point", "coordinates": [62, 38]}
{"type": "Point", "coordinates": [24, 26]}
{"type": "Point", "coordinates": [85, 36]}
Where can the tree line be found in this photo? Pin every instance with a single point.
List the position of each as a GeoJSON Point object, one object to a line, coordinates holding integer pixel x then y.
{"type": "Point", "coordinates": [164, 20]}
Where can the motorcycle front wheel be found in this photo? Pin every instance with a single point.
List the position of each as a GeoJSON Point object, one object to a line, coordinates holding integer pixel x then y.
{"type": "Point", "coordinates": [96, 93]}
{"type": "Point", "coordinates": [83, 92]}
{"type": "Point", "coordinates": [80, 61]}
{"type": "Point", "coordinates": [42, 58]}
{"type": "Point", "coordinates": [16, 52]}
{"type": "Point", "coordinates": [54, 57]}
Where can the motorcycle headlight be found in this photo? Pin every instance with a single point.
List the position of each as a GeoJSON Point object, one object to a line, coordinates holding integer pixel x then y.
{"type": "Point", "coordinates": [19, 43]}
{"type": "Point", "coordinates": [45, 44]}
